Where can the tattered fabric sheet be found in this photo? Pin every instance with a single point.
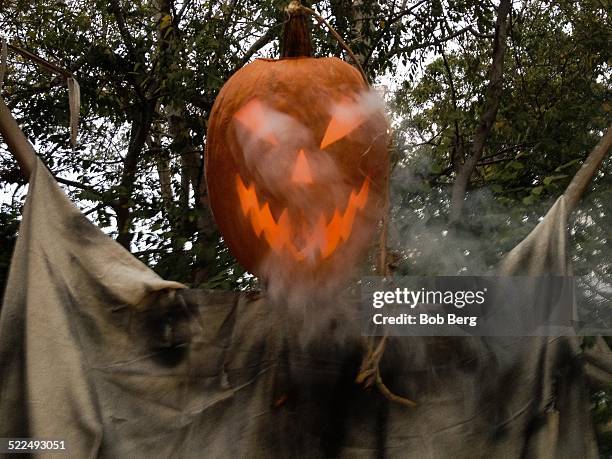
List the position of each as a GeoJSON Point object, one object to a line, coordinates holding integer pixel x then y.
{"type": "Point", "coordinates": [97, 350]}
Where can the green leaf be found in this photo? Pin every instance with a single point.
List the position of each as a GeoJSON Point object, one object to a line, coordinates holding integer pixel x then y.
{"type": "Point", "coordinates": [165, 21]}
{"type": "Point", "coordinates": [568, 164]}
{"type": "Point", "coordinates": [528, 200]}
{"type": "Point", "coordinates": [548, 180]}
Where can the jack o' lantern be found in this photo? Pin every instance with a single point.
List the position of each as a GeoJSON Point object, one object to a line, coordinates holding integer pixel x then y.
{"type": "Point", "coordinates": [296, 161]}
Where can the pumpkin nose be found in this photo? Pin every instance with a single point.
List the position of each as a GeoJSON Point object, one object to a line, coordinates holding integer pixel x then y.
{"type": "Point", "coordinates": [301, 170]}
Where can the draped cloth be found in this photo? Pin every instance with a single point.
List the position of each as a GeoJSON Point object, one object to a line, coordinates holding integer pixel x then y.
{"type": "Point", "coordinates": [98, 350]}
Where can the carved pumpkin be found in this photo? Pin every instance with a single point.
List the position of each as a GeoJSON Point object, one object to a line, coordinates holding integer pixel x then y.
{"type": "Point", "coordinates": [296, 164]}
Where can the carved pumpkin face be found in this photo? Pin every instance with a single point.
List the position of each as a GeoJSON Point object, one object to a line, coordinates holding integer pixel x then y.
{"type": "Point", "coordinates": [296, 164]}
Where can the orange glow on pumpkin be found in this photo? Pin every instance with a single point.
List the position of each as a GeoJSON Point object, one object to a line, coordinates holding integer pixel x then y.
{"type": "Point", "coordinates": [344, 121]}
{"type": "Point", "coordinates": [301, 171]}
{"type": "Point", "coordinates": [296, 167]}
{"type": "Point", "coordinates": [324, 239]}
{"type": "Point", "coordinates": [252, 116]}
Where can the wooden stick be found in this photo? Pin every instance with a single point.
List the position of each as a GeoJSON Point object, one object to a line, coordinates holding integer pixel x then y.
{"type": "Point", "coordinates": [51, 67]}
{"type": "Point", "coordinates": [583, 177]}
{"type": "Point", "coordinates": [74, 92]}
{"type": "Point", "coordinates": [18, 144]}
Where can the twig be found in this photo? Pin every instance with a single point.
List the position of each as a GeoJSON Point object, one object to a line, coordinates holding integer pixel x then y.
{"type": "Point", "coordinates": [260, 43]}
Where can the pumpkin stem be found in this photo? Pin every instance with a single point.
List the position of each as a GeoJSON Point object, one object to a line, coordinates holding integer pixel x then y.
{"type": "Point", "coordinates": [296, 41]}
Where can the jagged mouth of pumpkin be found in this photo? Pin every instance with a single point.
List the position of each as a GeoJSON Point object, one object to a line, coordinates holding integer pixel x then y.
{"type": "Point", "coordinates": [317, 242]}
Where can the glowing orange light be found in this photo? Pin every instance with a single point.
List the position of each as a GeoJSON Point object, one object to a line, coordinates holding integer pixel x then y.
{"type": "Point", "coordinates": [341, 226]}
{"type": "Point", "coordinates": [324, 239]}
{"type": "Point", "coordinates": [253, 117]}
{"type": "Point", "coordinates": [248, 197]}
{"type": "Point", "coordinates": [345, 121]}
{"type": "Point", "coordinates": [301, 170]}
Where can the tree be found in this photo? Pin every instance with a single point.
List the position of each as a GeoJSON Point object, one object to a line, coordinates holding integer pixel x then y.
{"type": "Point", "coordinates": [149, 73]}
{"type": "Point", "coordinates": [503, 142]}
{"type": "Point", "coordinates": [494, 109]}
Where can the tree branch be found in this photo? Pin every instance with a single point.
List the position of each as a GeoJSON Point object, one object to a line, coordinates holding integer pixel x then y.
{"type": "Point", "coordinates": [138, 135]}
{"type": "Point", "coordinates": [457, 151]}
{"type": "Point", "coordinates": [123, 30]}
{"type": "Point", "coordinates": [18, 144]}
{"type": "Point", "coordinates": [183, 9]}
{"type": "Point", "coordinates": [45, 64]}
{"type": "Point", "coordinates": [487, 118]}
{"type": "Point", "coordinates": [583, 177]}
{"type": "Point", "coordinates": [391, 21]}
{"type": "Point", "coordinates": [480, 35]}
{"type": "Point", "coordinates": [22, 149]}
{"type": "Point", "coordinates": [259, 43]}
{"type": "Point", "coordinates": [75, 184]}
{"type": "Point", "coordinates": [414, 47]}
{"type": "Point", "coordinates": [127, 41]}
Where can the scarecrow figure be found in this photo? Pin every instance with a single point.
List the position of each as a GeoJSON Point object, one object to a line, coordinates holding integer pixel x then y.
{"type": "Point", "coordinates": [99, 351]}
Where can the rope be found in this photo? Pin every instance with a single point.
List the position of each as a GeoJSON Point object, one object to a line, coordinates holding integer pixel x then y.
{"type": "Point", "coordinates": [369, 373]}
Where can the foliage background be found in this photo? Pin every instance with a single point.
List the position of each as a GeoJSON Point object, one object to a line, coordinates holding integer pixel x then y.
{"type": "Point", "coordinates": [150, 70]}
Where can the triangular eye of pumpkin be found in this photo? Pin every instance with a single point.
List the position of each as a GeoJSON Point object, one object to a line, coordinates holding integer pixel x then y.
{"type": "Point", "coordinates": [301, 171]}
{"type": "Point", "coordinates": [253, 116]}
{"type": "Point", "coordinates": [346, 117]}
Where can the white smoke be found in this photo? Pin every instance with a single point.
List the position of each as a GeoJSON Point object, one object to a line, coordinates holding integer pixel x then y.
{"type": "Point", "coordinates": [271, 142]}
